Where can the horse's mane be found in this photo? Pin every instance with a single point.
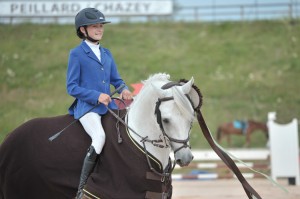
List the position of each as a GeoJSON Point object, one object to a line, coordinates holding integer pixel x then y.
{"type": "Point", "coordinates": [258, 124]}
{"type": "Point", "coordinates": [156, 77]}
{"type": "Point", "coordinates": [148, 84]}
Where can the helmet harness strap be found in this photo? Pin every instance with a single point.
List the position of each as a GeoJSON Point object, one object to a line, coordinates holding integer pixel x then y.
{"type": "Point", "coordinates": [88, 37]}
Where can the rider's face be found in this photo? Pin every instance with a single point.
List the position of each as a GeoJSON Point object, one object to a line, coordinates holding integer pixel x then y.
{"type": "Point", "coordinates": [95, 31]}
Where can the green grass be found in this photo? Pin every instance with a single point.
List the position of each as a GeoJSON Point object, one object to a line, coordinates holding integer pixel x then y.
{"type": "Point", "coordinates": [244, 70]}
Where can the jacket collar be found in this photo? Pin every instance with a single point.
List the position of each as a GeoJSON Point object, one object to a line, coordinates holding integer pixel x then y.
{"type": "Point", "coordinates": [90, 53]}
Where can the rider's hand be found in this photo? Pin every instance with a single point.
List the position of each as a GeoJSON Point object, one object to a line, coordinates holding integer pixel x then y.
{"type": "Point", "coordinates": [126, 95]}
{"type": "Point", "coordinates": [104, 99]}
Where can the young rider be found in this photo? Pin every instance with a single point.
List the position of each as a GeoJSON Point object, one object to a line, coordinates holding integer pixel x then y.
{"type": "Point", "coordinates": [91, 71]}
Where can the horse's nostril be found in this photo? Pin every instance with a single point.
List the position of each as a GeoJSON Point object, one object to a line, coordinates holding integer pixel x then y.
{"type": "Point", "coordinates": [178, 161]}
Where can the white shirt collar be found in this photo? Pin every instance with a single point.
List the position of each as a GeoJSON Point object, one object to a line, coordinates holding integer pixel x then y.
{"type": "Point", "coordinates": [92, 45]}
{"type": "Point", "coordinates": [95, 48]}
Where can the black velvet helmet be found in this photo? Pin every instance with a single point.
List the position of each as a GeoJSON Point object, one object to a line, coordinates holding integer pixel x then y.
{"type": "Point", "coordinates": [89, 16]}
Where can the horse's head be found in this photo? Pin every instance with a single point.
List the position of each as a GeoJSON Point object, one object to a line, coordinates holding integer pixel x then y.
{"type": "Point", "coordinates": [168, 129]}
{"type": "Point", "coordinates": [175, 114]}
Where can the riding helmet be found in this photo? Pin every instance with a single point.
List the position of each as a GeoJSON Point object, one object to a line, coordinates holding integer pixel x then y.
{"type": "Point", "coordinates": [88, 16]}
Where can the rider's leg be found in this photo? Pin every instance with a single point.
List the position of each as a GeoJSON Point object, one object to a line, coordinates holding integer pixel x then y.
{"type": "Point", "coordinates": [91, 122]}
{"type": "Point", "coordinates": [87, 167]}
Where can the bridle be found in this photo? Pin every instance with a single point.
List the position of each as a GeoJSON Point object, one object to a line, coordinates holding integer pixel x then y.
{"type": "Point", "coordinates": [159, 121]}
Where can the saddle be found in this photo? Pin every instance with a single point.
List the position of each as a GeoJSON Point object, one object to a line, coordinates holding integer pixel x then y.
{"type": "Point", "coordinates": [239, 124]}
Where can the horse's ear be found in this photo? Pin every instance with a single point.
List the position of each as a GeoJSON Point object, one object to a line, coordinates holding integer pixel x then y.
{"type": "Point", "coordinates": [187, 86]}
{"type": "Point", "coordinates": [193, 92]}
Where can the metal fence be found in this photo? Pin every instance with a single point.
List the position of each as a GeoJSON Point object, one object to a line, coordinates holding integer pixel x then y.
{"type": "Point", "coordinates": [238, 12]}
{"type": "Point", "coordinates": [208, 13]}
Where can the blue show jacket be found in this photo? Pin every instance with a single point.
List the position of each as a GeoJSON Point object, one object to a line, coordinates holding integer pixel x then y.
{"type": "Point", "coordinates": [87, 78]}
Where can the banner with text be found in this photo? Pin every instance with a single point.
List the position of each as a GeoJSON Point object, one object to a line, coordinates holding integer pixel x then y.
{"type": "Point", "coordinates": [71, 8]}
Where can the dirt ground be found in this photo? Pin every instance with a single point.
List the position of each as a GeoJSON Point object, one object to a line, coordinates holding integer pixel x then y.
{"type": "Point", "coordinates": [232, 189]}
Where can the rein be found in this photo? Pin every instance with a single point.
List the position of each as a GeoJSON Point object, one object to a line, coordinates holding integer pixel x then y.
{"type": "Point", "coordinates": [251, 193]}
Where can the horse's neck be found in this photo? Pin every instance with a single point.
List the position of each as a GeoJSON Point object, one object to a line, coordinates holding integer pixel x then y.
{"type": "Point", "coordinates": [259, 126]}
{"type": "Point", "coordinates": [142, 120]}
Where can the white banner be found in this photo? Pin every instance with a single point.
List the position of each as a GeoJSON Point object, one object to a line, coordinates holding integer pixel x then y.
{"type": "Point", "coordinates": [71, 8]}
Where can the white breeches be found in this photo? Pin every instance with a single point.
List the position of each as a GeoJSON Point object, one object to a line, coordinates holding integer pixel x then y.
{"type": "Point", "coordinates": [91, 123]}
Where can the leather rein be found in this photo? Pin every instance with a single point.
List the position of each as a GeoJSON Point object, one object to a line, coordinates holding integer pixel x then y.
{"type": "Point", "coordinates": [251, 193]}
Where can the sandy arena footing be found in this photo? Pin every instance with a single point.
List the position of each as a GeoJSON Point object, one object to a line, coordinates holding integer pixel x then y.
{"type": "Point", "coordinates": [232, 189]}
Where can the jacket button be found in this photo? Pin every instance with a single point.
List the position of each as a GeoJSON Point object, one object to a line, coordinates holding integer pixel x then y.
{"type": "Point", "coordinates": [103, 82]}
{"type": "Point", "coordinates": [102, 68]}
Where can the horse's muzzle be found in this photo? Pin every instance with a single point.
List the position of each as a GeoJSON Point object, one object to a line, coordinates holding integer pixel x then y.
{"type": "Point", "coordinates": [184, 157]}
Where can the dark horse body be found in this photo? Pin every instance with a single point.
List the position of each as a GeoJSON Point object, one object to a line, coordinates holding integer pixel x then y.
{"type": "Point", "coordinates": [250, 126]}
{"type": "Point", "coordinates": [33, 167]}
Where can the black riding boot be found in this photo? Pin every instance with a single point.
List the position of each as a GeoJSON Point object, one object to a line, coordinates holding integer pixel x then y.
{"type": "Point", "coordinates": [87, 168]}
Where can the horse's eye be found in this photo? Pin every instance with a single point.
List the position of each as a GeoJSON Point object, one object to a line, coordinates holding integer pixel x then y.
{"type": "Point", "coordinates": [166, 120]}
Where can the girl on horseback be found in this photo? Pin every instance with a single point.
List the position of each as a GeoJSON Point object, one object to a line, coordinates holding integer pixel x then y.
{"type": "Point", "coordinates": [91, 71]}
